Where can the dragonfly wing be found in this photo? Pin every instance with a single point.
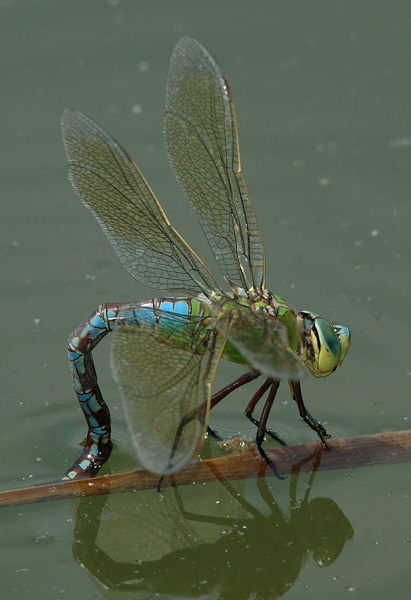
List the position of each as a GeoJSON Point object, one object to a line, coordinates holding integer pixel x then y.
{"type": "Point", "coordinates": [201, 139]}
{"type": "Point", "coordinates": [260, 338]}
{"type": "Point", "coordinates": [160, 385]}
{"type": "Point", "coordinates": [107, 181]}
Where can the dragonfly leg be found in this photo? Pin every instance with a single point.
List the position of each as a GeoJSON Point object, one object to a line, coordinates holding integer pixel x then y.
{"type": "Point", "coordinates": [274, 383]}
{"type": "Point", "coordinates": [239, 382]}
{"type": "Point", "coordinates": [215, 399]}
{"type": "Point", "coordinates": [253, 403]}
{"type": "Point", "coordinates": [305, 415]}
{"type": "Point", "coordinates": [214, 435]}
{"type": "Point", "coordinates": [80, 345]}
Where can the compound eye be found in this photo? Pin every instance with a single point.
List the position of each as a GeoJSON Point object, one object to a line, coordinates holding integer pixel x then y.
{"type": "Point", "coordinates": [327, 347]}
{"type": "Point", "coordinates": [344, 335]}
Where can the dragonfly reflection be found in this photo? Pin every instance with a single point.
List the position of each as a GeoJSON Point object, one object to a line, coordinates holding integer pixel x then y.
{"type": "Point", "coordinates": [187, 544]}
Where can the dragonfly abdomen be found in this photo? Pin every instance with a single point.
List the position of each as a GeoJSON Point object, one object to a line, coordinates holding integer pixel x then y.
{"type": "Point", "coordinates": [188, 332]}
{"type": "Point", "coordinates": [168, 319]}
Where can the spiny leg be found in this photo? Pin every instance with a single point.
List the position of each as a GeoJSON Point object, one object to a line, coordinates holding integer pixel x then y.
{"type": "Point", "coordinates": [255, 399]}
{"type": "Point", "coordinates": [253, 403]}
{"type": "Point", "coordinates": [239, 382]}
{"type": "Point", "coordinates": [218, 396]}
{"type": "Point", "coordinates": [214, 435]}
{"type": "Point", "coordinates": [305, 415]}
{"type": "Point", "coordinates": [275, 383]}
{"type": "Point", "coordinates": [215, 399]}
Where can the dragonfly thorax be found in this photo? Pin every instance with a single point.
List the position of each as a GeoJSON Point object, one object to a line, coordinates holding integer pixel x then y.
{"type": "Point", "coordinates": [264, 301]}
{"type": "Point", "coordinates": [322, 346]}
{"type": "Point", "coordinates": [278, 308]}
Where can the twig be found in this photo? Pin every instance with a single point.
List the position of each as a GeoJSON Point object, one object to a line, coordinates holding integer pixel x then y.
{"type": "Point", "coordinates": [345, 453]}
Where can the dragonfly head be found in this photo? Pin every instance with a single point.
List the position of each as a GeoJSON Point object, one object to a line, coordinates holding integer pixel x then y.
{"type": "Point", "coordinates": [323, 345]}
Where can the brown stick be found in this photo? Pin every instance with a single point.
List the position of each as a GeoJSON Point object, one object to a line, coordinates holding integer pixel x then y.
{"type": "Point", "coordinates": [345, 453]}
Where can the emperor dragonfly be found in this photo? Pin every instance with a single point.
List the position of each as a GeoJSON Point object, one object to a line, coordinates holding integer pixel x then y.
{"type": "Point", "coordinates": [166, 350]}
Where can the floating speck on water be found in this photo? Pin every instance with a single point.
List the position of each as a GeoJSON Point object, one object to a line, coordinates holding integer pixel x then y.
{"type": "Point", "coordinates": [298, 163]}
{"type": "Point", "coordinates": [143, 66]}
{"type": "Point", "coordinates": [136, 109]}
{"type": "Point", "coordinates": [401, 142]}
{"type": "Point", "coordinates": [324, 181]}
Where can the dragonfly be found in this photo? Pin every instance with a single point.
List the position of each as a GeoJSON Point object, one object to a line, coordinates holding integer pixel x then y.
{"type": "Point", "coordinates": [165, 350]}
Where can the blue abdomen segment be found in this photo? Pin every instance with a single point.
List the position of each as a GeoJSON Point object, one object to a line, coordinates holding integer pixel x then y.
{"type": "Point", "coordinates": [162, 314]}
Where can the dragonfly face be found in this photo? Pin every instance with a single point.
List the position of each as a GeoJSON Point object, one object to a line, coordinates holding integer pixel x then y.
{"type": "Point", "coordinates": [166, 350]}
{"type": "Point", "coordinates": [322, 346]}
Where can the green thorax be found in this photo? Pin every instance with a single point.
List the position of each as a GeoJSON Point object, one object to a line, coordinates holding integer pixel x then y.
{"type": "Point", "coordinates": [276, 307]}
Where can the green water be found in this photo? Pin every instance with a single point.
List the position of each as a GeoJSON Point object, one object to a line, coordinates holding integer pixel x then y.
{"type": "Point", "coordinates": [322, 96]}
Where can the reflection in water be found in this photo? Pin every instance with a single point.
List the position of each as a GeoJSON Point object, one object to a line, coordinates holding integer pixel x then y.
{"type": "Point", "coordinates": [183, 544]}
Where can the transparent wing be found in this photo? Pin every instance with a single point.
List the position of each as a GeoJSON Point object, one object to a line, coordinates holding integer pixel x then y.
{"type": "Point", "coordinates": [260, 338]}
{"type": "Point", "coordinates": [161, 383]}
{"type": "Point", "coordinates": [107, 181]}
{"type": "Point", "coordinates": [201, 139]}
